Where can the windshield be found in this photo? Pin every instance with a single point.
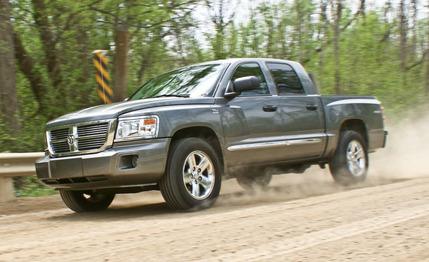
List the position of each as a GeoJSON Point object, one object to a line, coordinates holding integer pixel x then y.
{"type": "Point", "coordinates": [193, 81]}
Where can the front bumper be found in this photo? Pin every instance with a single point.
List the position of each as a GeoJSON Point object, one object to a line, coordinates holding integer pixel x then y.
{"type": "Point", "coordinates": [108, 169]}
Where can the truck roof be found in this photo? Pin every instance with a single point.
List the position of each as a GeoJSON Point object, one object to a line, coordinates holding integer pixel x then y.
{"type": "Point", "coordinates": [248, 59]}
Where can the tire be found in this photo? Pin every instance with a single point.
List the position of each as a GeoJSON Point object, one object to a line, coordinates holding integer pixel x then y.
{"type": "Point", "coordinates": [350, 162]}
{"type": "Point", "coordinates": [80, 201]}
{"type": "Point", "coordinates": [188, 183]}
{"type": "Point", "coordinates": [255, 181]}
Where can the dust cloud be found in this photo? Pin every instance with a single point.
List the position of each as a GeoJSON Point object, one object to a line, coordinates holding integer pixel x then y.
{"type": "Point", "coordinates": [406, 154]}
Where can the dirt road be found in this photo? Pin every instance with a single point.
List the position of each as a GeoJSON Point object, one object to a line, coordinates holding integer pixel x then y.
{"type": "Point", "coordinates": [301, 218]}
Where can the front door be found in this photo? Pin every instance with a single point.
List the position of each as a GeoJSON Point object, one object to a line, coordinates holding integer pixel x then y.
{"type": "Point", "coordinates": [249, 121]}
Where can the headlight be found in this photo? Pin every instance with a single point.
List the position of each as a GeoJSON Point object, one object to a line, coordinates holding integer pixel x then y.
{"type": "Point", "coordinates": [137, 128]}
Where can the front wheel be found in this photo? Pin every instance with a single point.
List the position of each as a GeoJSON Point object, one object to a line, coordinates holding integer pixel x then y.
{"type": "Point", "coordinates": [80, 201]}
{"type": "Point", "coordinates": [350, 162]}
{"type": "Point", "coordinates": [193, 176]}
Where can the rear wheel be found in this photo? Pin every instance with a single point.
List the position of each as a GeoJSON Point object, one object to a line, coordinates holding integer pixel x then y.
{"type": "Point", "coordinates": [80, 201]}
{"type": "Point", "coordinates": [193, 177]}
{"type": "Point", "coordinates": [350, 163]}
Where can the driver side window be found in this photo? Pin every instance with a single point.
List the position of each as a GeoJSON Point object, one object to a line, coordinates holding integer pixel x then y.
{"type": "Point", "coordinates": [252, 69]}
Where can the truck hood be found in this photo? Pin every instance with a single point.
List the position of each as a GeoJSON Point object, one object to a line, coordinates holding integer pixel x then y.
{"type": "Point", "coordinates": [114, 110]}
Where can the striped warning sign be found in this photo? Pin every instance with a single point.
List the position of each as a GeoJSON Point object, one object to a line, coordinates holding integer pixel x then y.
{"type": "Point", "coordinates": [102, 76]}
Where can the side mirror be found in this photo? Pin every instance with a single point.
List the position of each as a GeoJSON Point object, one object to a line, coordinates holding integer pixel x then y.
{"type": "Point", "coordinates": [246, 83]}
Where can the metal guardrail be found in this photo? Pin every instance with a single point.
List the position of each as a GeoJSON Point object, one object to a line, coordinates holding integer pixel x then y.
{"type": "Point", "coordinates": [14, 165]}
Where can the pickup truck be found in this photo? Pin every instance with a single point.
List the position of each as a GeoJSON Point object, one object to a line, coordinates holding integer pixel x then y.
{"type": "Point", "coordinates": [186, 130]}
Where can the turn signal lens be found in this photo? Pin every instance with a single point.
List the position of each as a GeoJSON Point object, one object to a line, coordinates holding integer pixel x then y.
{"type": "Point", "coordinates": [150, 121]}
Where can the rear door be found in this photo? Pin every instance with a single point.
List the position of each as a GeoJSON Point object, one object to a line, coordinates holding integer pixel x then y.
{"type": "Point", "coordinates": [300, 115]}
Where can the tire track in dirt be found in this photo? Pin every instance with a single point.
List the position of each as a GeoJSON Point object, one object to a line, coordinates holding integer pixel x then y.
{"type": "Point", "coordinates": [284, 247]}
{"type": "Point", "coordinates": [117, 226]}
{"type": "Point", "coordinates": [219, 232]}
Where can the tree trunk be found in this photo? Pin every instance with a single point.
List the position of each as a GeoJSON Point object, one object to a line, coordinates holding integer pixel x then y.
{"type": "Point", "coordinates": [121, 62]}
{"type": "Point", "coordinates": [299, 29]}
{"type": "Point", "coordinates": [427, 59]}
{"type": "Point", "coordinates": [148, 54]}
{"type": "Point", "coordinates": [220, 32]}
{"type": "Point", "coordinates": [337, 32]}
{"type": "Point", "coordinates": [49, 43]}
{"type": "Point", "coordinates": [362, 8]}
{"type": "Point", "coordinates": [84, 51]}
{"type": "Point", "coordinates": [427, 73]}
{"type": "Point", "coordinates": [270, 41]}
{"type": "Point", "coordinates": [323, 35]}
{"type": "Point", "coordinates": [220, 21]}
{"type": "Point", "coordinates": [8, 99]}
{"type": "Point", "coordinates": [27, 67]}
{"type": "Point", "coordinates": [180, 49]}
{"type": "Point", "coordinates": [219, 39]}
{"type": "Point", "coordinates": [414, 28]}
{"type": "Point", "coordinates": [403, 36]}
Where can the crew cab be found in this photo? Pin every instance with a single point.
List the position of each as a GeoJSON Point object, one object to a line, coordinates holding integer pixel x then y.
{"type": "Point", "coordinates": [185, 131]}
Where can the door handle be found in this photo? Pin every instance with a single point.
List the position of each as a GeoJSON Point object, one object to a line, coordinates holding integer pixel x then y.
{"type": "Point", "coordinates": [311, 107]}
{"type": "Point", "coordinates": [269, 108]}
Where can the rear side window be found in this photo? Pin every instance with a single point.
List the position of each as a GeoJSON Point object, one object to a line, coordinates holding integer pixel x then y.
{"type": "Point", "coordinates": [252, 69]}
{"type": "Point", "coordinates": [285, 78]}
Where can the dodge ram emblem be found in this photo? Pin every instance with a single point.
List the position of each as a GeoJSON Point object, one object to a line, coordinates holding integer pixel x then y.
{"type": "Point", "coordinates": [71, 141]}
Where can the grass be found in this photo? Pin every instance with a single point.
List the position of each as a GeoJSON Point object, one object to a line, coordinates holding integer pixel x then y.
{"type": "Point", "coordinates": [31, 187]}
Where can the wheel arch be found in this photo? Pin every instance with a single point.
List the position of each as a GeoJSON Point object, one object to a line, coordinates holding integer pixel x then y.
{"type": "Point", "coordinates": [203, 132]}
{"type": "Point", "coordinates": [357, 125]}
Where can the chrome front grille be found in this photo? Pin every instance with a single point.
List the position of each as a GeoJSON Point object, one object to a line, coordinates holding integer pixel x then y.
{"type": "Point", "coordinates": [59, 140]}
{"type": "Point", "coordinates": [60, 147]}
{"type": "Point", "coordinates": [91, 130]}
{"type": "Point", "coordinates": [59, 134]}
{"type": "Point", "coordinates": [81, 138]}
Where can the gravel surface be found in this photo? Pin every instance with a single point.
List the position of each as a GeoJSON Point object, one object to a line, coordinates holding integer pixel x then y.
{"type": "Point", "coordinates": [300, 218]}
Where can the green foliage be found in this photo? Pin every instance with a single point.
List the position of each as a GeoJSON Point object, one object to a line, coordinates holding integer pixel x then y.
{"type": "Point", "coordinates": [31, 187]}
{"type": "Point", "coordinates": [59, 37]}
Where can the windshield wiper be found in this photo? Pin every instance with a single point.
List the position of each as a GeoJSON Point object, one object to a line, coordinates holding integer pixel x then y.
{"type": "Point", "coordinates": [170, 95]}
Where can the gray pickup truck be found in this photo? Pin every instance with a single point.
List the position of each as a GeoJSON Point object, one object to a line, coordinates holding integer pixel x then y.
{"type": "Point", "coordinates": [186, 130]}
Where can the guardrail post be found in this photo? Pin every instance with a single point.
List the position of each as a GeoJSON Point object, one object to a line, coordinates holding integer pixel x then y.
{"type": "Point", "coordinates": [15, 165]}
{"type": "Point", "coordinates": [7, 191]}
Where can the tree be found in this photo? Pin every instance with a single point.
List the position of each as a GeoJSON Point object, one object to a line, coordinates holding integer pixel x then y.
{"type": "Point", "coordinates": [121, 61]}
{"type": "Point", "coordinates": [322, 35]}
{"type": "Point", "coordinates": [338, 7]}
{"type": "Point", "coordinates": [28, 68]}
{"type": "Point", "coordinates": [427, 57]}
{"type": "Point", "coordinates": [403, 29]}
{"type": "Point", "coordinates": [299, 28]}
{"type": "Point", "coordinates": [362, 7]}
{"type": "Point", "coordinates": [414, 19]}
{"type": "Point", "coordinates": [427, 73]}
{"type": "Point", "coordinates": [8, 97]}
{"type": "Point", "coordinates": [49, 42]}
{"type": "Point", "coordinates": [220, 18]}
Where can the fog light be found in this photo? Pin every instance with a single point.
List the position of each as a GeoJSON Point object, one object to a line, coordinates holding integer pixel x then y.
{"type": "Point", "coordinates": [128, 161]}
{"type": "Point", "coordinates": [134, 161]}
